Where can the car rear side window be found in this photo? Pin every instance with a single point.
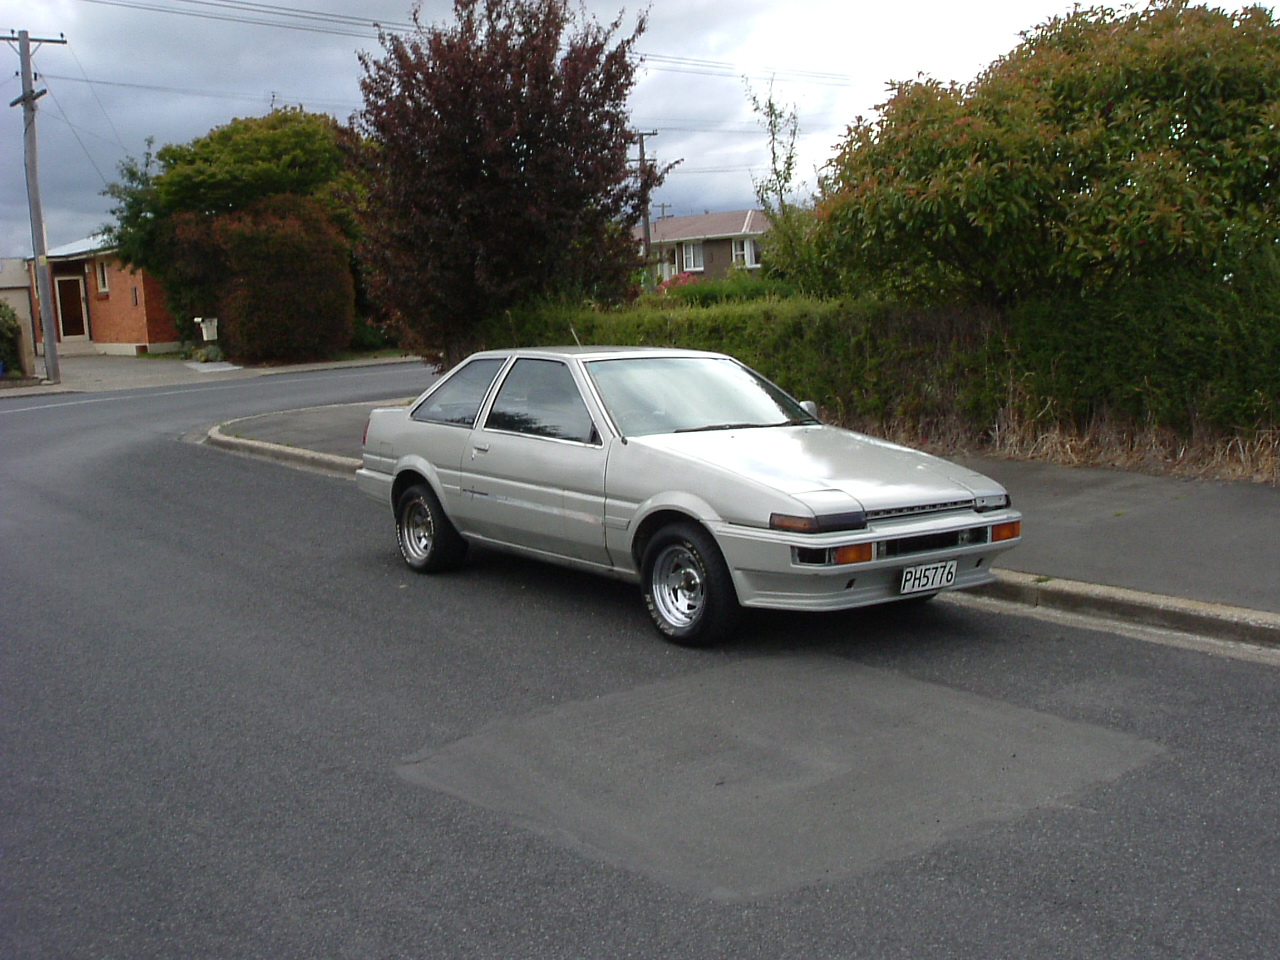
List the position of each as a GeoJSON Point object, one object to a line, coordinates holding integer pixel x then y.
{"type": "Point", "coordinates": [458, 399]}
{"type": "Point", "coordinates": [539, 397]}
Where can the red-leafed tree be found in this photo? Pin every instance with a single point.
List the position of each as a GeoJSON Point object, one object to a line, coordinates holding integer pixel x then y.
{"type": "Point", "coordinates": [496, 156]}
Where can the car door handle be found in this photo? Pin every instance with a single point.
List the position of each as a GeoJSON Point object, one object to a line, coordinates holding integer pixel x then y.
{"type": "Point", "coordinates": [479, 448]}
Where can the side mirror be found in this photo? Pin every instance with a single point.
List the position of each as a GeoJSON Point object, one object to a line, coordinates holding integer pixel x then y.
{"type": "Point", "coordinates": [810, 408]}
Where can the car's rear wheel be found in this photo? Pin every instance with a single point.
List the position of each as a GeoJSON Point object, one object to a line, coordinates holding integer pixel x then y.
{"type": "Point", "coordinates": [428, 540]}
{"type": "Point", "coordinates": [687, 586]}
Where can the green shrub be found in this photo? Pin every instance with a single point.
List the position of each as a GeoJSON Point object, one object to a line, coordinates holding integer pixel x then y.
{"type": "Point", "coordinates": [10, 339]}
{"type": "Point", "coordinates": [738, 287]}
{"type": "Point", "coordinates": [366, 335]}
{"type": "Point", "coordinates": [1175, 351]}
{"type": "Point", "coordinates": [866, 362]}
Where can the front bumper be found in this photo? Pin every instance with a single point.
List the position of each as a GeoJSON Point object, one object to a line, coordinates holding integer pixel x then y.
{"type": "Point", "coordinates": [767, 572]}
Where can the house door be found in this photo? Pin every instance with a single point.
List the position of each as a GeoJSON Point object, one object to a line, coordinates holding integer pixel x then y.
{"type": "Point", "coordinates": [72, 319]}
{"type": "Point", "coordinates": [667, 267]}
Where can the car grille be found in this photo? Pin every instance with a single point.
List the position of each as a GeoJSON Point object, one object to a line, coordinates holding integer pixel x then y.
{"type": "Point", "coordinates": [894, 513]}
{"type": "Point", "coordinates": [900, 546]}
{"type": "Point", "coordinates": [903, 546]}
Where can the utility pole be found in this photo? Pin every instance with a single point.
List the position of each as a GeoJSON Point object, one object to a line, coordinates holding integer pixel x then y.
{"type": "Point", "coordinates": [39, 245]}
{"type": "Point", "coordinates": [644, 205]}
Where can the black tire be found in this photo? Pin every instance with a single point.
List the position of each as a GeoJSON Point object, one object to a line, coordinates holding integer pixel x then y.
{"type": "Point", "coordinates": [428, 541]}
{"type": "Point", "coordinates": [688, 590]}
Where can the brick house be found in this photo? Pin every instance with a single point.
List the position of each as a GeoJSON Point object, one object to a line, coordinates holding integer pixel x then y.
{"type": "Point", "coordinates": [100, 306]}
{"type": "Point", "coordinates": [709, 245]}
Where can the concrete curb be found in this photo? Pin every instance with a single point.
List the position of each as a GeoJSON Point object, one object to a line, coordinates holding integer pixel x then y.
{"type": "Point", "coordinates": [310, 459]}
{"type": "Point", "coordinates": [1216, 620]}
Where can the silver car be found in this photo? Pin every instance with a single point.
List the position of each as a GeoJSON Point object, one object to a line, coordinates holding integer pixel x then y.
{"type": "Point", "coordinates": [683, 470]}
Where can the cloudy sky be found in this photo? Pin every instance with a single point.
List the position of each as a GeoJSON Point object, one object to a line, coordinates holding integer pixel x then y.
{"type": "Point", "coordinates": [174, 69]}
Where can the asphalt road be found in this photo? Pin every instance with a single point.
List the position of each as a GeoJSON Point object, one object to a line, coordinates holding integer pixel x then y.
{"type": "Point", "coordinates": [234, 726]}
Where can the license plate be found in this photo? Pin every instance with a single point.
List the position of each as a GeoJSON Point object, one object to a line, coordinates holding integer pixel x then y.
{"type": "Point", "coordinates": [929, 576]}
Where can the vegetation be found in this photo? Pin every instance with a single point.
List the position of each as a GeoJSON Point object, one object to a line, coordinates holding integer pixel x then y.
{"type": "Point", "coordinates": [1105, 147]}
{"type": "Point", "coordinates": [495, 152]}
{"type": "Point", "coordinates": [10, 340]}
{"type": "Point", "coordinates": [276, 186]}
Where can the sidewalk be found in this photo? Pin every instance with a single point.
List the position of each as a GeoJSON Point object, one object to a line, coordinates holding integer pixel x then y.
{"type": "Point", "coordinates": [80, 374]}
{"type": "Point", "coordinates": [1198, 556]}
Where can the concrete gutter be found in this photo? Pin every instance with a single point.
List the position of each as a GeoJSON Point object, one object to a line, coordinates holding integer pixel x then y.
{"type": "Point", "coordinates": [1220, 621]}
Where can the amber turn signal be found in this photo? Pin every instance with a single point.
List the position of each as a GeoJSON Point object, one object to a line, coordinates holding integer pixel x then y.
{"type": "Point", "coordinates": [781, 521]}
{"type": "Point", "coordinates": [855, 553]}
{"type": "Point", "coordinates": [1006, 531]}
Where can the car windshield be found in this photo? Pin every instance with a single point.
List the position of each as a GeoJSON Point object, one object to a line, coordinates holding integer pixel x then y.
{"type": "Point", "coordinates": [648, 395]}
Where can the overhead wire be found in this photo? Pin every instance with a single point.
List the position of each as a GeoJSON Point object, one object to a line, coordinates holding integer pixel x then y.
{"type": "Point", "coordinates": [75, 131]}
{"type": "Point", "coordinates": [92, 89]}
{"type": "Point", "coordinates": [319, 21]}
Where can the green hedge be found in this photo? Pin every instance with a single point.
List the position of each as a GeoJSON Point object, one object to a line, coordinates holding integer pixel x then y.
{"type": "Point", "coordinates": [1189, 354]}
{"type": "Point", "coordinates": [1175, 351]}
{"type": "Point", "coordinates": [865, 362]}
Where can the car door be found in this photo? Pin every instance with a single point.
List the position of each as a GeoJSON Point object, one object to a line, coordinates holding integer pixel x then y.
{"type": "Point", "coordinates": [439, 428]}
{"type": "Point", "coordinates": [534, 473]}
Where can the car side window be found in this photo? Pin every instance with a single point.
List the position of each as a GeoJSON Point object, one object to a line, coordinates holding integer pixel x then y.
{"type": "Point", "coordinates": [539, 397]}
{"type": "Point", "coordinates": [458, 399]}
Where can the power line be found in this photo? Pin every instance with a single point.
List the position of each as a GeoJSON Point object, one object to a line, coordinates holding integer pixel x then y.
{"type": "Point", "coordinates": [343, 25]}
{"type": "Point", "coordinates": [208, 94]}
{"type": "Point", "coordinates": [74, 131]}
{"type": "Point", "coordinates": [98, 100]}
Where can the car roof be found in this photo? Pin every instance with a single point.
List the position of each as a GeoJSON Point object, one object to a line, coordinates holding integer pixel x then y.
{"type": "Point", "coordinates": [597, 352]}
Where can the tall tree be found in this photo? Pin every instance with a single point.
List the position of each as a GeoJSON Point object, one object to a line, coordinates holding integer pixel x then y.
{"type": "Point", "coordinates": [170, 206]}
{"type": "Point", "coordinates": [1108, 145]}
{"type": "Point", "coordinates": [495, 154]}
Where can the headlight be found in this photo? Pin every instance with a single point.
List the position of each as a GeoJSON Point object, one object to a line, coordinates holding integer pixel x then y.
{"type": "Point", "coordinates": [993, 501]}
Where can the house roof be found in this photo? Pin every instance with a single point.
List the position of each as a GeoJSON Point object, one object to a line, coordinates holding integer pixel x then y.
{"type": "Point", "coordinates": [709, 226]}
{"type": "Point", "coordinates": [81, 248]}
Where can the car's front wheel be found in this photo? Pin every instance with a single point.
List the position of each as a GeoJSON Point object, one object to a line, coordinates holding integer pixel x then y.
{"type": "Point", "coordinates": [428, 540]}
{"type": "Point", "coordinates": [687, 586]}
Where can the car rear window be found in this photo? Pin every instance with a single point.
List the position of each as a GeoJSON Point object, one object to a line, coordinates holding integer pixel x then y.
{"type": "Point", "coordinates": [458, 399]}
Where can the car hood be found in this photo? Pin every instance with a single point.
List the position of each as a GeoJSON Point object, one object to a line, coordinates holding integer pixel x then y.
{"type": "Point", "coordinates": [810, 460]}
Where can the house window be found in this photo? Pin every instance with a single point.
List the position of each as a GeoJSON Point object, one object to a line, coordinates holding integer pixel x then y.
{"type": "Point", "coordinates": [744, 253]}
{"type": "Point", "coordinates": [692, 256]}
{"type": "Point", "coordinates": [135, 296]}
{"type": "Point", "coordinates": [103, 286]}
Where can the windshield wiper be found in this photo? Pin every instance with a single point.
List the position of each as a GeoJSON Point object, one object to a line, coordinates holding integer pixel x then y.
{"type": "Point", "coordinates": [732, 426]}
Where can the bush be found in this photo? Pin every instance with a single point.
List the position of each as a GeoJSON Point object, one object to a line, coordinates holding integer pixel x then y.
{"type": "Point", "coordinates": [1185, 354]}
{"type": "Point", "coordinates": [868, 363]}
{"type": "Point", "coordinates": [292, 297]}
{"type": "Point", "coordinates": [367, 335]}
{"type": "Point", "coordinates": [10, 340]}
{"type": "Point", "coordinates": [739, 287]}
{"type": "Point", "coordinates": [1179, 351]}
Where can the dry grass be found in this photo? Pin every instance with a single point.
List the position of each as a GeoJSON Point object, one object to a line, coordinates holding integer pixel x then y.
{"type": "Point", "coordinates": [1253, 458]}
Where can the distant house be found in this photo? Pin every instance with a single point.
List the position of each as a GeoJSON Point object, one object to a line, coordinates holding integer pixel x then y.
{"type": "Point", "coordinates": [100, 306]}
{"type": "Point", "coordinates": [709, 245]}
